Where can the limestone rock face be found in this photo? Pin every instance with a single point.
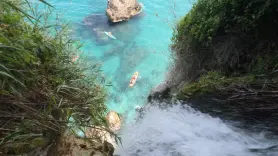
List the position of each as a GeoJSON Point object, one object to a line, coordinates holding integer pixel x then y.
{"type": "Point", "coordinates": [101, 134]}
{"type": "Point", "coordinates": [114, 120]}
{"type": "Point", "coordinates": [69, 145]}
{"type": "Point", "coordinates": [120, 10]}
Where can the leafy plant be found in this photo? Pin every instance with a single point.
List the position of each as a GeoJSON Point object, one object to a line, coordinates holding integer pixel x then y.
{"type": "Point", "coordinates": [41, 87]}
{"type": "Point", "coordinates": [209, 17]}
{"type": "Point", "coordinates": [227, 36]}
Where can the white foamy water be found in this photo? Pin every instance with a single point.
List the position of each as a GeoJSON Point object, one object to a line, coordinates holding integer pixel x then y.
{"type": "Point", "coordinates": [182, 131]}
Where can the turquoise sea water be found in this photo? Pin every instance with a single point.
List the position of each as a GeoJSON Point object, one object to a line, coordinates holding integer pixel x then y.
{"type": "Point", "coordinates": [142, 45]}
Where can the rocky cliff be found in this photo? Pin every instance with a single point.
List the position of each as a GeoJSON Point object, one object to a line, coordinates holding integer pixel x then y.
{"type": "Point", "coordinates": [226, 61]}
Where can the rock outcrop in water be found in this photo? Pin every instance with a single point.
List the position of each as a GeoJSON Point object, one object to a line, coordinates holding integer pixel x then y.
{"type": "Point", "coordinates": [114, 120]}
{"type": "Point", "coordinates": [120, 10]}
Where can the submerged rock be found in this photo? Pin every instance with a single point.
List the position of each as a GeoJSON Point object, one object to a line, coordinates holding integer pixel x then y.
{"type": "Point", "coordinates": [94, 26]}
{"type": "Point", "coordinates": [120, 10]}
{"type": "Point", "coordinates": [132, 57]}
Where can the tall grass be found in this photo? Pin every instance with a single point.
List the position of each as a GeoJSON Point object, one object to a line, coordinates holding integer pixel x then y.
{"type": "Point", "coordinates": [41, 88]}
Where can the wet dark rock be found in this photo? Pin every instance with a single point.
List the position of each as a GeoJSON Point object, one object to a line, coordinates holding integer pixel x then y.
{"type": "Point", "coordinates": [139, 109]}
{"type": "Point", "coordinates": [160, 93]}
{"type": "Point", "coordinates": [272, 149]}
{"type": "Point", "coordinates": [241, 116]}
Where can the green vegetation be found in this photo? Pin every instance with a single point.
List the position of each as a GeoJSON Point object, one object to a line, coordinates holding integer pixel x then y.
{"type": "Point", "coordinates": [237, 38]}
{"type": "Point", "coordinates": [210, 17]}
{"type": "Point", "coordinates": [212, 82]}
{"type": "Point", "coordinates": [41, 88]}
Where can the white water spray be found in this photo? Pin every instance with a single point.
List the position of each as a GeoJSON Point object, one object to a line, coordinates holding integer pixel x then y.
{"type": "Point", "coordinates": [182, 131]}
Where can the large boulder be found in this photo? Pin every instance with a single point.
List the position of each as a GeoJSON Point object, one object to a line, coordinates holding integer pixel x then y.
{"type": "Point", "coordinates": [114, 123]}
{"type": "Point", "coordinates": [120, 10]}
{"type": "Point", "coordinates": [114, 120]}
{"type": "Point", "coordinates": [100, 134]}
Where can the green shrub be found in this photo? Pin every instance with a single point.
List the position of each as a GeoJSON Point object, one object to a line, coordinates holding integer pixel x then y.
{"type": "Point", "coordinates": [227, 36]}
{"type": "Point", "coordinates": [41, 88]}
{"type": "Point", "coordinates": [209, 17]}
{"type": "Point", "coordinates": [201, 22]}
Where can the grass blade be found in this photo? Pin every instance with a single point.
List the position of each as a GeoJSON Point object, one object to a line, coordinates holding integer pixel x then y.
{"type": "Point", "coordinates": [10, 76]}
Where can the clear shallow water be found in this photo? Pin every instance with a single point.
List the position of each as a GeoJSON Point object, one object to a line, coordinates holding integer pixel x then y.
{"type": "Point", "coordinates": [182, 131]}
{"type": "Point", "coordinates": [142, 45]}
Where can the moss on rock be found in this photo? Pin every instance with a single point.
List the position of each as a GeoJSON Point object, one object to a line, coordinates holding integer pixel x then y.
{"type": "Point", "coordinates": [209, 83]}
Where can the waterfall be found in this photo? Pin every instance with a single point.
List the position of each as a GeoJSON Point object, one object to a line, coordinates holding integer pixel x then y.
{"type": "Point", "coordinates": [180, 130]}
